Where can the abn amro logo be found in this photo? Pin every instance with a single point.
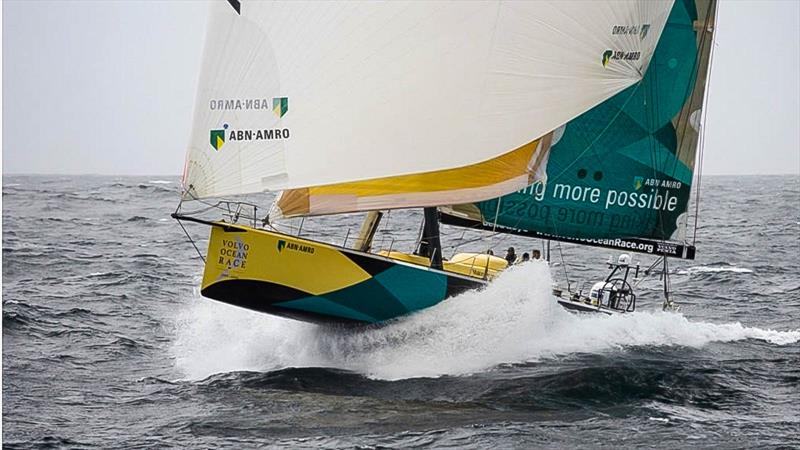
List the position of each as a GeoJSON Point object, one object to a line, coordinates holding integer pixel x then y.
{"type": "Point", "coordinates": [218, 137]}
{"type": "Point", "coordinates": [280, 106]}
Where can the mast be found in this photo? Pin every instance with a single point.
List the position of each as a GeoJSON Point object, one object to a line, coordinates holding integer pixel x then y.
{"type": "Point", "coordinates": [430, 245]}
{"type": "Point", "coordinates": [367, 232]}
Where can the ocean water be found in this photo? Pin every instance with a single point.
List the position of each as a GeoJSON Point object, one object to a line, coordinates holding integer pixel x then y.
{"type": "Point", "coordinates": [107, 343]}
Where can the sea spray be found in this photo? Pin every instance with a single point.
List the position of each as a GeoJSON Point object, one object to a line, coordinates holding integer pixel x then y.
{"type": "Point", "coordinates": [515, 319]}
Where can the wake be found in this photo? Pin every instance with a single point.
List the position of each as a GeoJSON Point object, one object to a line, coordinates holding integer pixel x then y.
{"type": "Point", "coordinates": [514, 320]}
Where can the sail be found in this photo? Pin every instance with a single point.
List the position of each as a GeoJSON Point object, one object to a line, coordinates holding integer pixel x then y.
{"type": "Point", "coordinates": [322, 96]}
{"type": "Point", "coordinates": [620, 175]}
{"type": "Point", "coordinates": [506, 173]}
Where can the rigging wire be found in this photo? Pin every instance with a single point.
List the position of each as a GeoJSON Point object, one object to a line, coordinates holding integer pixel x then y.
{"type": "Point", "coordinates": [668, 304]}
{"type": "Point", "coordinates": [564, 265]}
{"type": "Point", "coordinates": [189, 238]}
{"type": "Point", "coordinates": [648, 270]}
{"type": "Point", "coordinates": [701, 137]}
{"type": "Point", "coordinates": [186, 232]}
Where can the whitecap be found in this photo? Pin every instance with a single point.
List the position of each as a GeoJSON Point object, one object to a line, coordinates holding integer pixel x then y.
{"type": "Point", "coordinates": [713, 269]}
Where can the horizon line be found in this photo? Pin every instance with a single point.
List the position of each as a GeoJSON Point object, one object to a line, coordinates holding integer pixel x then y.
{"type": "Point", "coordinates": [178, 175]}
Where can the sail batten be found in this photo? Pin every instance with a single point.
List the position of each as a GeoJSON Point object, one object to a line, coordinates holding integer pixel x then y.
{"type": "Point", "coordinates": [307, 95]}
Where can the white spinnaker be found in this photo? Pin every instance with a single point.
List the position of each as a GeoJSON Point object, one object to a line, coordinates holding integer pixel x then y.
{"type": "Point", "coordinates": [383, 89]}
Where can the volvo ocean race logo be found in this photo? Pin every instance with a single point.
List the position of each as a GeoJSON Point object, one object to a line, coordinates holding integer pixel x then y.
{"type": "Point", "coordinates": [280, 106]}
{"type": "Point", "coordinates": [218, 137]}
{"type": "Point", "coordinates": [233, 254]}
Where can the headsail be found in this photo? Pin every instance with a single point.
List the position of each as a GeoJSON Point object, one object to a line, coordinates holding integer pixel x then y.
{"type": "Point", "coordinates": [328, 95]}
{"type": "Point", "coordinates": [505, 173]}
{"type": "Point", "coordinates": [620, 175]}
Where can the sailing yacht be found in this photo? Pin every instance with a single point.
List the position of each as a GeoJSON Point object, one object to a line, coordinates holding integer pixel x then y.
{"type": "Point", "coordinates": [367, 107]}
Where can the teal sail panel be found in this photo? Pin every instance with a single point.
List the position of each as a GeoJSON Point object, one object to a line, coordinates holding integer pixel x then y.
{"type": "Point", "coordinates": [624, 168]}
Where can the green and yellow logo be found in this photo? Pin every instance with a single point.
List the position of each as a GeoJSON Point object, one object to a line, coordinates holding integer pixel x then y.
{"type": "Point", "coordinates": [645, 30]}
{"type": "Point", "coordinates": [280, 106]}
{"type": "Point", "coordinates": [607, 57]}
{"type": "Point", "coordinates": [295, 247]}
{"type": "Point", "coordinates": [638, 182]}
{"type": "Point", "coordinates": [218, 137]}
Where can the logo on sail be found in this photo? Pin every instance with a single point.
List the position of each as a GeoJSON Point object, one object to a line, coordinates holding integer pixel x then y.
{"type": "Point", "coordinates": [631, 30]}
{"type": "Point", "coordinates": [218, 137]}
{"type": "Point", "coordinates": [236, 5]}
{"type": "Point", "coordinates": [238, 104]}
{"type": "Point", "coordinates": [280, 106]}
{"type": "Point", "coordinates": [619, 55]}
{"type": "Point", "coordinates": [607, 57]}
{"type": "Point", "coordinates": [643, 33]}
{"type": "Point", "coordinates": [638, 182]}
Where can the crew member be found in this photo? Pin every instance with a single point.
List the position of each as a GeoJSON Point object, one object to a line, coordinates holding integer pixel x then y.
{"type": "Point", "coordinates": [511, 256]}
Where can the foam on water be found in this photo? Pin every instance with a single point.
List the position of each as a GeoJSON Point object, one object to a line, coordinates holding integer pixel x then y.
{"type": "Point", "coordinates": [514, 320]}
{"type": "Point", "coordinates": [714, 269]}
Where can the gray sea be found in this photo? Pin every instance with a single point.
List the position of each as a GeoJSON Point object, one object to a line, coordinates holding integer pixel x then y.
{"type": "Point", "coordinates": [107, 342]}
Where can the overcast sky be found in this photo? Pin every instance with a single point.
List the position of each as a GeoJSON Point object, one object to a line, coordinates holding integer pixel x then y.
{"type": "Point", "coordinates": [108, 86]}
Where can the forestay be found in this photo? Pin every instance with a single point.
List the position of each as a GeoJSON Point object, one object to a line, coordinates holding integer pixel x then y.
{"type": "Point", "coordinates": [298, 95]}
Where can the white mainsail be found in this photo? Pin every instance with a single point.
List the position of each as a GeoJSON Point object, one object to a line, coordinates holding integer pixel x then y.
{"type": "Point", "coordinates": [303, 94]}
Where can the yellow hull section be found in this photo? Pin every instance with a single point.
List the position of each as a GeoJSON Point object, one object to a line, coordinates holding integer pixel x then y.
{"type": "Point", "coordinates": [250, 254]}
{"type": "Point", "coordinates": [307, 280]}
{"type": "Point", "coordinates": [470, 264]}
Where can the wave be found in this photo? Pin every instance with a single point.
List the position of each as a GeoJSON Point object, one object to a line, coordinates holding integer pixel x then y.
{"type": "Point", "coordinates": [79, 312]}
{"type": "Point", "coordinates": [159, 182]}
{"type": "Point", "coordinates": [155, 187]}
{"type": "Point", "coordinates": [514, 320]}
{"type": "Point", "coordinates": [103, 275]}
{"type": "Point", "coordinates": [44, 442]}
{"type": "Point", "coordinates": [713, 269]}
{"type": "Point", "coordinates": [13, 319]}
